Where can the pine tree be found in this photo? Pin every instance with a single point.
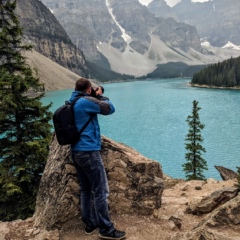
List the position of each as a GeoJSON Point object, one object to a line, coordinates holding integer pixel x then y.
{"type": "Point", "coordinates": [195, 164]}
{"type": "Point", "coordinates": [25, 128]}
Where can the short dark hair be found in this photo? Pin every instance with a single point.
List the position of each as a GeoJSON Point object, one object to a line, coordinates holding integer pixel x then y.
{"type": "Point", "coordinates": [82, 84]}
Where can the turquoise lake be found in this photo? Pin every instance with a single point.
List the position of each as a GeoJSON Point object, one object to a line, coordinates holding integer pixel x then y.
{"type": "Point", "coordinates": [151, 118]}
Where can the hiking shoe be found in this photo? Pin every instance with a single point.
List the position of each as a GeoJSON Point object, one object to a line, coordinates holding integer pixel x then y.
{"type": "Point", "coordinates": [116, 234]}
{"type": "Point", "coordinates": [90, 230]}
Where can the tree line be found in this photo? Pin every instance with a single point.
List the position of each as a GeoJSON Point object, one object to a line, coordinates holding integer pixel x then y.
{"type": "Point", "coordinates": [221, 74]}
{"type": "Point", "coordinates": [174, 70]}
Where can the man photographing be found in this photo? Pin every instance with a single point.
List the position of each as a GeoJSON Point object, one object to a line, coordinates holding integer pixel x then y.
{"type": "Point", "coordinates": [88, 162]}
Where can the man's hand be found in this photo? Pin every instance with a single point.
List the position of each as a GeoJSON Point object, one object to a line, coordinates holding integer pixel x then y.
{"type": "Point", "coordinates": [98, 91]}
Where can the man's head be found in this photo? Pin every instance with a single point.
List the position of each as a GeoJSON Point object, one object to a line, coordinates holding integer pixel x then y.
{"type": "Point", "coordinates": [83, 85]}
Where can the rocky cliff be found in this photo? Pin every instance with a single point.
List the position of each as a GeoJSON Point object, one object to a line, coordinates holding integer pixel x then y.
{"type": "Point", "coordinates": [43, 31]}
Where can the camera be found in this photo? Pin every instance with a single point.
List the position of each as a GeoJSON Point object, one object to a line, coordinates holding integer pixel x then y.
{"type": "Point", "coordinates": [93, 92]}
{"type": "Point", "coordinates": [99, 96]}
{"type": "Point", "coordinates": [95, 89]}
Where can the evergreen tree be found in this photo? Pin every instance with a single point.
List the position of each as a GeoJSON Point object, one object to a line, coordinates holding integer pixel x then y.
{"type": "Point", "coordinates": [25, 128]}
{"type": "Point", "coordinates": [195, 163]}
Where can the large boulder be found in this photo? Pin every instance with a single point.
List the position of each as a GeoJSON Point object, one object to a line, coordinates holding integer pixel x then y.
{"type": "Point", "coordinates": [221, 224]}
{"type": "Point", "coordinates": [206, 204]}
{"type": "Point", "coordinates": [135, 184]}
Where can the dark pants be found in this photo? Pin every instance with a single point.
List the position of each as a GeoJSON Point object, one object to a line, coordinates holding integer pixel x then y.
{"type": "Point", "coordinates": [94, 190]}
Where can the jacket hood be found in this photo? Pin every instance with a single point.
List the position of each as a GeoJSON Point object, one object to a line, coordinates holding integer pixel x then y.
{"type": "Point", "coordinates": [75, 94]}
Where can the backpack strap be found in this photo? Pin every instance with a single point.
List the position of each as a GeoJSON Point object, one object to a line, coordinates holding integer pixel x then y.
{"type": "Point", "coordinates": [89, 120]}
{"type": "Point", "coordinates": [86, 124]}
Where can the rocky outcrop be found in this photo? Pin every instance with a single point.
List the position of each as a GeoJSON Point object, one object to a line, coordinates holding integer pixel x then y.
{"type": "Point", "coordinates": [206, 204]}
{"type": "Point", "coordinates": [226, 173]}
{"type": "Point", "coordinates": [42, 30]}
{"type": "Point", "coordinates": [135, 184]}
{"type": "Point", "coordinates": [227, 216]}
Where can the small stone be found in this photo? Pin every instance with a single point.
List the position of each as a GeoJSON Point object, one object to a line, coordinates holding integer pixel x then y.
{"type": "Point", "coordinates": [177, 221]}
{"type": "Point", "coordinates": [29, 232]}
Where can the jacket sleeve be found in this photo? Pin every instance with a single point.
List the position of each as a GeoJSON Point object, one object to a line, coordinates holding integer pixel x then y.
{"type": "Point", "coordinates": [104, 107]}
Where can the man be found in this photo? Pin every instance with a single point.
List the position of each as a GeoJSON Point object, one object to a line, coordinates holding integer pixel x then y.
{"type": "Point", "coordinates": [88, 162]}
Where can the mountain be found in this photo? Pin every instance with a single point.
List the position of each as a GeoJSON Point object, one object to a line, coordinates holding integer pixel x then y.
{"type": "Point", "coordinates": [123, 36]}
{"type": "Point", "coordinates": [230, 45]}
{"type": "Point", "coordinates": [43, 31]}
{"type": "Point", "coordinates": [125, 33]}
{"type": "Point", "coordinates": [217, 21]}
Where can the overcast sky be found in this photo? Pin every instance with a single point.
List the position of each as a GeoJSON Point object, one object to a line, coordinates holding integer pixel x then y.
{"type": "Point", "coordinates": [169, 2]}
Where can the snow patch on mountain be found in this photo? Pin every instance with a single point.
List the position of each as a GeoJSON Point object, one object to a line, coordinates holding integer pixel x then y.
{"type": "Point", "coordinates": [125, 36]}
{"type": "Point", "coordinates": [206, 44]}
{"type": "Point", "coordinates": [214, 8]}
{"type": "Point", "coordinates": [230, 45]}
{"type": "Point", "coordinates": [51, 10]}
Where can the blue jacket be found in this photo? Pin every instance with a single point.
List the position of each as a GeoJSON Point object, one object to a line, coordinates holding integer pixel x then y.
{"type": "Point", "coordinates": [84, 107]}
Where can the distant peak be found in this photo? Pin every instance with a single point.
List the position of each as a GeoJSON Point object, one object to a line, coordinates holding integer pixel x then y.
{"type": "Point", "coordinates": [230, 45]}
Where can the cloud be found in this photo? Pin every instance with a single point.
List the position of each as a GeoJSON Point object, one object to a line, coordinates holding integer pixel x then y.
{"type": "Point", "coordinates": [169, 2]}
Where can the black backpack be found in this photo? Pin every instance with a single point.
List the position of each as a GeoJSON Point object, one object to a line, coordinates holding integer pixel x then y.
{"type": "Point", "coordinates": [64, 124]}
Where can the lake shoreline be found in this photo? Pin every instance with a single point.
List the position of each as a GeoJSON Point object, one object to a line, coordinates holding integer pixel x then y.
{"type": "Point", "coordinates": [213, 87]}
{"type": "Point", "coordinates": [98, 83]}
